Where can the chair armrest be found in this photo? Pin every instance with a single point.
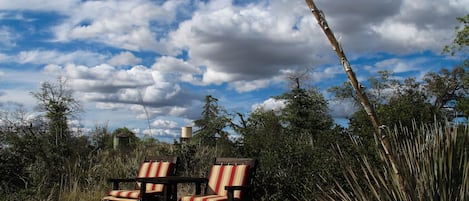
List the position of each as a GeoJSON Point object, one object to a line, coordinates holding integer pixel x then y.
{"type": "Point", "coordinates": [122, 180]}
{"type": "Point", "coordinates": [115, 181]}
{"type": "Point", "coordinates": [236, 188]}
{"type": "Point", "coordinates": [174, 180]}
{"type": "Point", "coordinates": [230, 190]}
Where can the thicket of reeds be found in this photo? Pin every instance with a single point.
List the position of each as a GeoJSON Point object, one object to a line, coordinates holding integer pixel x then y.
{"type": "Point", "coordinates": [432, 160]}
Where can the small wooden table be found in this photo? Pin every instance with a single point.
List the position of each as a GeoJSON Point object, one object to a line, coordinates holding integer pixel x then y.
{"type": "Point", "coordinates": [170, 183]}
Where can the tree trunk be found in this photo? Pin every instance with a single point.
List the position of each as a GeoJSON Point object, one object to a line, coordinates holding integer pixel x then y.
{"type": "Point", "coordinates": [319, 15]}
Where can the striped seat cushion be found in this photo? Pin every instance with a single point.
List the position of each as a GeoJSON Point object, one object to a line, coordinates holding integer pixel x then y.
{"type": "Point", "coordinates": [205, 198]}
{"type": "Point", "coordinates": [147, 170]}
{"type": "Point", "coordinates": [134, 194]}
{"type": "Point", "coordinates": [221, 176]}
{"type": "Point", "coordinates": [112, 198]}
{"type": "Point", "coordinates": [125, 193]}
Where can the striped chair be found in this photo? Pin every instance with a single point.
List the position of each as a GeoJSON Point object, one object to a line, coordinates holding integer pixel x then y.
{"type": "Point", "coordinates": [151, 167]}
{"type": "Point", "coordinates": [229, 179]}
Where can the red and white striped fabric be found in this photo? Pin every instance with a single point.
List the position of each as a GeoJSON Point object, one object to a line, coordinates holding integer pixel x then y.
{"type": "Point", "coordinates": [147, 170]}
{"type": "Point", "coordinates": [221, 176]}
{"type": "Point", "coordinates": [205, 198]}
{"type": "Point", "coordinates": [123, 194]}
{"type": "Point", "coordinates": [112, 198]}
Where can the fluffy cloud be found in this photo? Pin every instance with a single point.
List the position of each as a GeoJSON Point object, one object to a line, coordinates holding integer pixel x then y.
{"type": "Point", "coordinates": [162, 128]}
{"type": "Point", "coordinates": [270, 104]}
{"type": "Point", "coordinates": [342, 109]}
{"type": "Point", "coordinates": [273, 36]}
{"type": "Point", "coordinates": [408, 37]}
{"type": "Point", "coordinates": [263, 44]}
{"type": "Point", "coordinates": [421, 65]}
{"type": "Point", "coordinates": [1, 92]}
{"type": "Point", "coordinates": [167, 133]}
{"type": "Point", "coordinates": [128, 89]}
{"type": "Point", "coordinates": [59, 58]}
{"type": "Point", "coordinates": [245, 86]}
{"type": "Point", "coordinates": [394, 65]}
{"type": "Point", "coordinates": [4, 57]}
{"type": "Point", "coordinates": [7, 37]}
{"type": "Point", "coordinates": [171, 64]}
{"type": "Point", "coordinates": [121, 24]}
{"type": "Point", "coordinates": [40, 5]}
{"type": "Point", "coordinates": [162, 123]}
{"type": "Point", "coordinates": [177, 69]}
{"type": "Point", "coordinates": [124, 59]}
{"type": "Point", "coordinates": [243, 45]}
{"type": "Point", "coordinates": [325, 74]}
{"type": "Point", "coordinates": [107, 79]}
{"type": "Point", "coordinates": [398, 27]}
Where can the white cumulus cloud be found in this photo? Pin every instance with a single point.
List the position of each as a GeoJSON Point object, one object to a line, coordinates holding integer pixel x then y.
{"type": "Point", "coordinates": [270, 104]}
{"type": "Point", "coordinates": [59, 58]}
{"type": "Point", "coordinates": [124, 59]}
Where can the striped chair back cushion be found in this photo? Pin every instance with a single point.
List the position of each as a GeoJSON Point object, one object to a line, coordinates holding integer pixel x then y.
{"type": "Point", "coordinates": [227, 175]}
{"type": "Point", "coordinates": [153, 169]}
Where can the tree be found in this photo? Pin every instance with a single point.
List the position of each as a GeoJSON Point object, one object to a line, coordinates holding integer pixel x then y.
{"type": "Point", "coordinates": [462, 103]}
{"type": "Point", "coordinates": [101, 139]}
{"type": "Point", "coordinates": [403, 102]}
{"type": "Point", "coordinates": [18, 150]}
{"type": "Point", "coordinates": [211, 126]}
{"type": "Point", "coordinates": [381, 89]}
{"type": "Point", "coordinates": [462, 36]}
{"type": "Point", "coordinates": [265, 138]}
{"type": "Point", "coordinates": [39, 152]}
{"type": "Point", "coordinates": [306, 113]}
{"type": "Point", "coordinates": [446, 85]}
{"type": "Point", "coordinates": [58, 103]}
{"type": "Point", "coordinates": [460, 44]}
{"type": "Point", "coordinates": [408, 104]}
{"type": "Point", "coordinates": [397, 103]}
{"type": "Point", "coordinates": [344, 92]}
{"type": "Point", "coordinates": [293, 145]}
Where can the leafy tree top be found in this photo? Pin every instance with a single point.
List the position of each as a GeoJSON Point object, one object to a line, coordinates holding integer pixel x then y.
{"type": "Point", "coordinates": [461, 41]}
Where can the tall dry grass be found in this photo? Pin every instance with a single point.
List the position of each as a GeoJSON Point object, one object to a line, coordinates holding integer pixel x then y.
{"type": "Point", "coordinates": [88, 176]}
{"type": "Point", "coordinates": [432, 160]}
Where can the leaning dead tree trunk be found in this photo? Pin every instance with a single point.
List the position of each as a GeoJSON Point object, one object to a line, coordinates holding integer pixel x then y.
{"type": "Point", "coordinates": [319, 15]}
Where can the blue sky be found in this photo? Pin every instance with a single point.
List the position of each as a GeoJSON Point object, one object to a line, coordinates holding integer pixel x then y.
{"type": "Point", "coordinates": [129, 60]}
